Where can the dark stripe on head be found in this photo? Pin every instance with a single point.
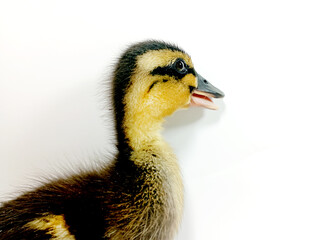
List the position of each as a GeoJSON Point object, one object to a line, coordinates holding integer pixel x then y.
{"type": "Point", "coordinates": [171, 71]}
{"type": "Point", "coordinates": [152, 85]}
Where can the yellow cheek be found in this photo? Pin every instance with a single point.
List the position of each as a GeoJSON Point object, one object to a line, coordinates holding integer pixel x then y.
{"type": "Point", "coordinates": [167, 97]}
{"type": "Point", "coordinates": [190, 80]}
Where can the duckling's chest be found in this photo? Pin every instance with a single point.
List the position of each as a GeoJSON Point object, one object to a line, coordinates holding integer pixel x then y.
{"type": "Point", "coordinates": [160, 176]}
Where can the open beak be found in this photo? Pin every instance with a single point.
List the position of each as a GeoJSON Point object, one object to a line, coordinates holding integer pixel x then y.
{"type": "Point", "coordinates": [203, 94]}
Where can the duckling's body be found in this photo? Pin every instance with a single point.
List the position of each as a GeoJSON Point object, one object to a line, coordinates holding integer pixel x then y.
{"type": "Point", "coordinates": [123, 201]}
{"type": "Point", "coordinates": [139, 195]}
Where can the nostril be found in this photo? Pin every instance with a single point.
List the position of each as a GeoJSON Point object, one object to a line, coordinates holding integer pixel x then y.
{"type": "Point", "coordinates": [205, 81]}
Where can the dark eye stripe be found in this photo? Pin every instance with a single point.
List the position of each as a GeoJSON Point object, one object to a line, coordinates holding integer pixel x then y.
{"type": "Point", "coordinates": [170, 71]}
{"type": "Point", "coordinates": [191, 71]}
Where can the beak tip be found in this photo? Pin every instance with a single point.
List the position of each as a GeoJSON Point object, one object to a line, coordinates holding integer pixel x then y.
{"type": "Point", "coordinates": [205, 86]}
{"type": "Point", "coordinates": [219, 95]}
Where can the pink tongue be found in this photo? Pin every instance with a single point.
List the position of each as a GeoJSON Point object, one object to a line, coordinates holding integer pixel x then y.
{"type": "Point", "coordinates": [202, 101]}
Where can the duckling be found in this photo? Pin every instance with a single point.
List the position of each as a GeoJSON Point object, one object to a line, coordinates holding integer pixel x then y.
{"type": "Point", "coordinates": [139, 194]}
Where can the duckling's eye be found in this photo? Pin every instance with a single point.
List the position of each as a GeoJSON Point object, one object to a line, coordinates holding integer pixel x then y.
{"type": "Point", "coordinates": [180, 66]}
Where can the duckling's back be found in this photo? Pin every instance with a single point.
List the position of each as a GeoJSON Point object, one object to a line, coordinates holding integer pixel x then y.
{"type": "Point", "coordinates": [65, 209]}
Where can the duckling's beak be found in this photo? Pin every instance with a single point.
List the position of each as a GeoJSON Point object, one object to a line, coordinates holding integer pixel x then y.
{"type": "Point", "coordinates": [203, 94]}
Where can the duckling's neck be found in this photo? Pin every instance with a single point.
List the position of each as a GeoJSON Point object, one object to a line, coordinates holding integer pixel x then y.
{"type": "Point", "coordinates": [143, 132]}
{"type": "Point", "coordinates": [158, 173]}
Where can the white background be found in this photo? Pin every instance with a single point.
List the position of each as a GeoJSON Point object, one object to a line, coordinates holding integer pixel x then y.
{"type": "Point", "coordinates": [250, 169]}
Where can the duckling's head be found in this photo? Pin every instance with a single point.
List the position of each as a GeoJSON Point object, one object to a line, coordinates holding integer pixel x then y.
{"type": "Point", "coordinates": [153, 79]}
